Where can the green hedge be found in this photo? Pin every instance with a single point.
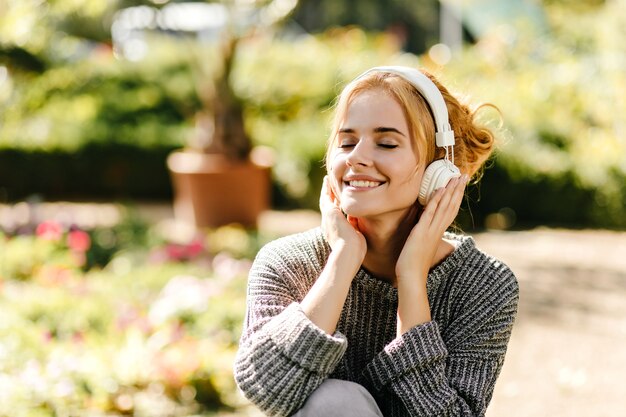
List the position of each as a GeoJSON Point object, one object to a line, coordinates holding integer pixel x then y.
{"type": "Point", "coordinates": [93, 171]}
{"type": "Point", "coordinates": [526, 202]}
{"type": "Point", "coordinates": [99, 172]}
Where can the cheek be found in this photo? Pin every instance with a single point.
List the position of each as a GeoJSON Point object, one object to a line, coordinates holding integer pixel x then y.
{"type": "Point", "coordinates": [410, 182]}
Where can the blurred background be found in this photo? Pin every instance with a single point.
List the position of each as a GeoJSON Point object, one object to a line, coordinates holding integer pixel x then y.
{"type": "Point", "coordinates": [149, 148]}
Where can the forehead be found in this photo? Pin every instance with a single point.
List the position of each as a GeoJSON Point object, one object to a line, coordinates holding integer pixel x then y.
{"type": "Point", "coordinates": [374, 108]}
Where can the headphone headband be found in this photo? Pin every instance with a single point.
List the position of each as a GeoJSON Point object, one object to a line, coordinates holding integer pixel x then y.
{"type": "Point", "coordinates": [444, 135]}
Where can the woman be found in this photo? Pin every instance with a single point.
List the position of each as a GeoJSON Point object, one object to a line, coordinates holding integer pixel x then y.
{"type": "Point", "coordinates": [379, 311]}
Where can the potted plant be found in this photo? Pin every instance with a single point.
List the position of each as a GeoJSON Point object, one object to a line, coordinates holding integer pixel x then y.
{"type": "Point", "coordinates": [215, 180]}
{"type": "Point", "coordinates": [219, 178]}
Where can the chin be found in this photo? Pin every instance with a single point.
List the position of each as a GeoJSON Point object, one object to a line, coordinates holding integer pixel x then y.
{"type": "Point", "coordinates": [360, 211]}
{"type": "Point", "coordinates": [354, 210]}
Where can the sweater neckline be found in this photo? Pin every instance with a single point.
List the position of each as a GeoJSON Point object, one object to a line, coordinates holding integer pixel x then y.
{"type": "Point", "coordinates": [465, 246]}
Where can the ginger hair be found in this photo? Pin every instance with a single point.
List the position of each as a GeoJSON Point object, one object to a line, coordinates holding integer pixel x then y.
{"type": "Point", "coordinates": [474, 142]}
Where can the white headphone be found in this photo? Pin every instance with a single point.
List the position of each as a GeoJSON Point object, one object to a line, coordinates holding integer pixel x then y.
{"type": "Point", "coordinates": [441, 171]}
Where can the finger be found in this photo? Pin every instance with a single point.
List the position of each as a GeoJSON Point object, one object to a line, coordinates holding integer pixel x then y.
{"type": "Point", "coordinates": [459, 190]}
{"type": "Point", "coordinates": [437, 209]}
{"type": "Point", "coordinates": [431, 207]}
{"type": "Point", "coordinates": [442, 215]}
{"type": "Point", "coordinates": [450, 202]}
{"type": "Point", "coordinates": [325, 196]}
{"type": "Point", "coordinates": [456, 192]}
{"type": "Point", "coordinates": [323, 191]}
{"type": "Point", "coordinates": [435, 199]}
{"type": "Point", "coordinates": [447, 192]}
{"type": "Point", "coordinates": [331, 191]}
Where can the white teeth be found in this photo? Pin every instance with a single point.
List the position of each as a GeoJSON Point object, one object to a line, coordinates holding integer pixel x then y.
{"type": "Point", "coordinates": [368, 184]}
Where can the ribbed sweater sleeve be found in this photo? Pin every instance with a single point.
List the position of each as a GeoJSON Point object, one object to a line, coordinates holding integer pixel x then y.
{"type": "Point", "coordinates": [434, 378]}
{"type": "Point", "coordinates": [283, 357]}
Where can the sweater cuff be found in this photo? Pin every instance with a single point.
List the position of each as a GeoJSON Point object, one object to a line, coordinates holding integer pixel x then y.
{"type": "Point", "coordinates": [419, 348]}
{"type": "Point", "coordinates": [305, 343]}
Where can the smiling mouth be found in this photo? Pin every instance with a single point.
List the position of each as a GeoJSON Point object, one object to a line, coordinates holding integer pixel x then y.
{"type": "Point", "coordinates": [363, 184]}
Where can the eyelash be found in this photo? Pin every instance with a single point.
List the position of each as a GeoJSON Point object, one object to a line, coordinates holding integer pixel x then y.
{"type": "Point", "coordinates": [352, 145]}
{"type": "Point", "coordinates": [382, 145]}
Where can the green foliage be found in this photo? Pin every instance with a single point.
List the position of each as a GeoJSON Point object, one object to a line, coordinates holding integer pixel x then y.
{"type": "Point", "coordinates": [81, 123]}
{"type": "Point", "coordinates": [100, 101]}
{"type": "Point", "coordinates": [562, 99]}
{"type": "Point", "coordinates": [416, 27]}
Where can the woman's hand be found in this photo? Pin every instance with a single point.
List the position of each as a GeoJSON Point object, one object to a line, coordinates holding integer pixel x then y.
{"type": "Point", "coordinates": [339, 231]}
{"type": "Point", "coordinates": [419, 252]}
{"type": "Point", "coordinates": [421, 246]}
{"type": "Point", "coordinates": [324, 301]}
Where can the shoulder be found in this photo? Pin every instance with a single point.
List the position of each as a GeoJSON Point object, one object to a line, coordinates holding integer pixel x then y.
{"type": "Point", "coordinates": [483, 294]}
{"type": "Point", "coordinates": [482, 275]}
{"type": "Point", "coordinates": [299, 247]}
{"type": "Point", "coordinates": [291, 261]}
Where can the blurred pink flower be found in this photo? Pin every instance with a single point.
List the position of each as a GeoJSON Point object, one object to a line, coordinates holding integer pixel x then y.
{"type": "Point", "coordinates": [78, 240]}
{"type": "Point", "coordinates": [180, 252]}
{"type": "Point", "coordinates": [195, 248]}
{"type": "Point", "coordinates": [175, 252]}
{"type": "Point", "coordinates": [50, 230]}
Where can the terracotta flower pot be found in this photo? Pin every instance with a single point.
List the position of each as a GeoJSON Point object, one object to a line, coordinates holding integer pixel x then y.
{"type": "Point", "coordinates": [211, 190]}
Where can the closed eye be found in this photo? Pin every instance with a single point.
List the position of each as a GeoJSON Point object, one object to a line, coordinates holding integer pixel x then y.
{"type": "Point", "coordinates": [346, 145]}
{"type": "Point", "coordinates": [347, 141]}
{"type": "Point", "coordinates": [387, 145]}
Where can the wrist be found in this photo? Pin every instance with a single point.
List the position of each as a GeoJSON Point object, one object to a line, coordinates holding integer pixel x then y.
{"type": "Point", "coordinates": [352, 250]}
{"type": "Point", "coordinates": [413, 305]}
{"type": "Point", "coordinates": [344, 260]}
{"type": "Point", "coordinates": [413, 276]}
{"type": "Point", "coordinates": [410, 290]}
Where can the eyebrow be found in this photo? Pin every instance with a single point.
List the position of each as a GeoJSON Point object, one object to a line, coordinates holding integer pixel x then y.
{"type": "Point", "coordinates": [388, 129]}
{"type": "Point", "coordinates": [376, 130]}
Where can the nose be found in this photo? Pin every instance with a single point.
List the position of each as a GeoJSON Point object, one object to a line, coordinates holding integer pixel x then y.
{"type": "Point", "coordinates": [359, 155]}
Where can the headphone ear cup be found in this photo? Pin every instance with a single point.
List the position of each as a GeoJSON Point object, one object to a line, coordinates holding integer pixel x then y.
{"type": "Point", "coordinates": [436, 175]}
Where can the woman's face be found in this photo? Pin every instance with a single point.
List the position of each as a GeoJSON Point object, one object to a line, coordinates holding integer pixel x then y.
{"type": "Point", "coordinates": [373, 162]}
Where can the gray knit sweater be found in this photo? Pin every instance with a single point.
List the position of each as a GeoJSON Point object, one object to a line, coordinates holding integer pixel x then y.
{"type": "Point", "coordinates": [446, 367]}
